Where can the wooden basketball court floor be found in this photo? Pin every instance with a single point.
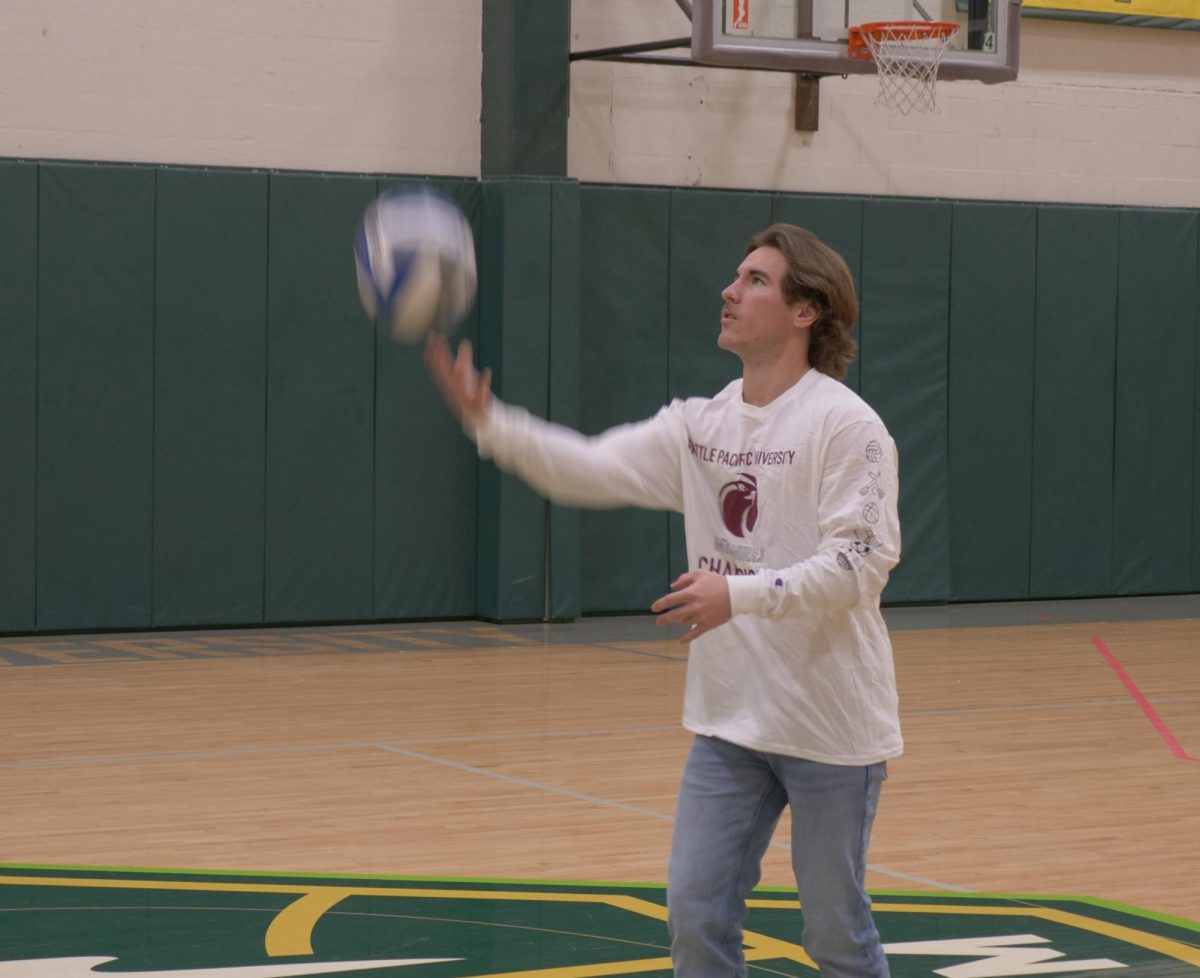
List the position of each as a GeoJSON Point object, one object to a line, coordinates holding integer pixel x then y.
{"type": "Point", "coordinates": [1051, 748]}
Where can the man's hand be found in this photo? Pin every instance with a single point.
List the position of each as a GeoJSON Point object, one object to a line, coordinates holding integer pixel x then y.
{"type": "Point", "coordinates": [467, 393]}
{"type": "Point", "coordinates": [699, 600]}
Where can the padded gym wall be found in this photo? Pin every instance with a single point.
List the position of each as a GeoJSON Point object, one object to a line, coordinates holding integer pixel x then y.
{"type": "Point", "coordinates": [210, 396]}
{"type": "Point", "coordinates": [1196, 452]}
{"type": "Point", "coordinates": [95, 380]}
{"type": "Point", "coordinates": [990, 410]}
{"type": "Point", "coordinates": [203, 429]}
{"type": "Point", "coordinates": [625, 241]}
{"type": "Point", "coordinates": [514, 301]}
{"type": "Point", "coordinates": [189, 431]}
{"type": "Point", "coordinates": [320, 406]}
{"type": "Point", "coordinates": [1153, 494]}
{"type": "Point", "coordinates": [1074, 382]}
{"type": "Point", "coordinates": [18, 394]}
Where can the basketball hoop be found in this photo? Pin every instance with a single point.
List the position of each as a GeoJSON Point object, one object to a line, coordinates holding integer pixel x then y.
{"type": "Point", "coordinates": [907, 54]}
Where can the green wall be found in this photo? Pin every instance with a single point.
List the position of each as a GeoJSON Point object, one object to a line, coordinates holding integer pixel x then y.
{"type": "Point", "coordinates": [199, 427]}
{"type": "Point", "coordinates": [1036, 364]}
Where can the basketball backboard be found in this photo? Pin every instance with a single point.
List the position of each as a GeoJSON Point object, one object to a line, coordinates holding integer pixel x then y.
{"type": "Point", "coordinates": [813, 35]}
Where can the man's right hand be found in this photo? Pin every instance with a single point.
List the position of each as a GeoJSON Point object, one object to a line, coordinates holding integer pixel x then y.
{"type": "Point", "coordinates": [467, 392]}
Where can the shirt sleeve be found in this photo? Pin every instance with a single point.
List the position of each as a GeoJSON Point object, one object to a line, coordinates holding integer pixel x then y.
{"type": "Point", "coordinates": [630, 465]}
{"type": "Point", "coordinates": [860, 535]}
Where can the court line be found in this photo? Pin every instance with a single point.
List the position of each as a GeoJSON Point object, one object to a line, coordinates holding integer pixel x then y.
{"type": "Point", "coordinates": [431, 759]}
{"type": "Point", "coordinates": [1075, 705]}
{"type": "Point", "coordinates": [622, 806]}
{"type": "Point", "coordinates": [97, 759]}
{"type": "Point", "coordinates": [1151, 714]}
{"type": "Point", "coordinates": [642, 652]}
{"type": "Point", "coordinates": [303, 748]}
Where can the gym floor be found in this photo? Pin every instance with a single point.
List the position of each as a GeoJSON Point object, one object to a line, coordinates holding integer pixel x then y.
{"type": "Point", "coordinates": [331, 785]}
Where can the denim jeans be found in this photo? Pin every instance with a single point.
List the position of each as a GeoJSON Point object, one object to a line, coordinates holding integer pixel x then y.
{"type": "Point", "coordinates": [729, 804]}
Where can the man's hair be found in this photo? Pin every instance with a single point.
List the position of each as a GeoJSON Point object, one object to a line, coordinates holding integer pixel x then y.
{"type": "Point", "coordinates": [819, 274]}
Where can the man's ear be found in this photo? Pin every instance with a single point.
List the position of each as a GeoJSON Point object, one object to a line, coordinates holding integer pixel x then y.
{"type": "Point", "coordinates": [804, 314]}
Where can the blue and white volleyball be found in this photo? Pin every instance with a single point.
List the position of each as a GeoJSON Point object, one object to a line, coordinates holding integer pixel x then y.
{"type": "Point", "coordinates": [415, 259]}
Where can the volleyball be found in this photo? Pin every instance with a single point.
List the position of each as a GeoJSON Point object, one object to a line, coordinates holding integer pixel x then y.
{"type": "Point", "coordinates": [415, 260]}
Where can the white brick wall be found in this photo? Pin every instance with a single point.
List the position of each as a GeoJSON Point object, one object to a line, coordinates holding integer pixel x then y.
{"type": "Point", "coordinates": [354, 85]}
{"type": "Point", "coordinates": [1100, 114]}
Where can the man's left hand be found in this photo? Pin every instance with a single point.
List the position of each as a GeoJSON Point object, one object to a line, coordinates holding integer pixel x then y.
{"type": "Point", "coordinates": [699, 600]}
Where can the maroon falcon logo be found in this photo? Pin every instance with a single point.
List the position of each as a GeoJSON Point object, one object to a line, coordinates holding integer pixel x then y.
{"type": "Point", "coordinates": [739, 504]}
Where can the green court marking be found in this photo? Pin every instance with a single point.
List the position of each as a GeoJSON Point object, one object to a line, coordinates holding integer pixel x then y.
{"type": "Point", "coordinates": [74, 921]}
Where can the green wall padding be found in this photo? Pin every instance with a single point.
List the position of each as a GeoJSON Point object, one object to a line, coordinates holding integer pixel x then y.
{"type": "Point", "coordinates": [18, 394]}
{"type": "Point", "coordinates": [624, 306]}
{"type": "Point", "coordinates": [95, 396]}
{"type": "Point", "coordinates": [514, 342]}
{"type": "Point", "coordinates": [1074, 353]}
{"type": "Point", "coordinates": [320, 406]}
{"type": "Point", "coordinates": [210, 396]}
{"type": "Point", "coordinates": [1196, 454]}
{"type": "Point", "coordinates": [1153, 493]}
{"type": "Point", "coordinates": [709, 233]}
{"type": "Point", "coordinates": [525, 82]}
{"type": "Point", "coordinates": [992, 311]}
{"type": "Point", "coordinates": [425, 476]}
{"type": "Point", "coordinates": [906, 286]}
{"type": "Point", "coordinates": [564, 394]}
{"type": "Point", "coordinates": [837, 221]}
{"type": "Point", "coordinates": [204, 429]}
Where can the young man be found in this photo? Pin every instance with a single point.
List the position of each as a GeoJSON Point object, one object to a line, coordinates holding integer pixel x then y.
{"type": "Point", "coordinates": [787, 483]}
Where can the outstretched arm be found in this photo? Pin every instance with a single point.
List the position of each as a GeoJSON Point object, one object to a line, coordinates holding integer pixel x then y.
{"type": "Point", "coordinates": [630, 465]}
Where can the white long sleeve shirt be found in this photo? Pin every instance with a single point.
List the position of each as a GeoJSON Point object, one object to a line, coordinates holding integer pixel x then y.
{"type": "Point", "coordinates": [796, 503]}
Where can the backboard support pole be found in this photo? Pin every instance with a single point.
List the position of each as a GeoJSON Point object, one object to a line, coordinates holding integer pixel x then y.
{"type": "Point", "coordinates": [808, 102]}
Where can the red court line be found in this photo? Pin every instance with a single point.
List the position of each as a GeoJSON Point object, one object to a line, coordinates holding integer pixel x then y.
{"type": "Point", "coordinates": [1151, 714]}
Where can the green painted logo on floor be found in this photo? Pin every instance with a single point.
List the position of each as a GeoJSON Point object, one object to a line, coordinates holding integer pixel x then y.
{"type": "Point", "coordinates": [74, 922]}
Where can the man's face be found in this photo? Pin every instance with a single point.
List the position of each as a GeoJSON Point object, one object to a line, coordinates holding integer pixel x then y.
{"type": "Point", "coordinates": [756, 320]}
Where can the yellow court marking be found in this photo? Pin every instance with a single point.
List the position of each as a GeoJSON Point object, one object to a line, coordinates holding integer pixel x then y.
{"type": "Point", "coordinates": [292, 926]}
{"type": "Point", "coordinates": [291, 930]}
{"type": "Point", "coordinates": [1128, 935]}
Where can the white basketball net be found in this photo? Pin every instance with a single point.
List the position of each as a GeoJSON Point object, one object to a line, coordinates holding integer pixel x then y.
{"type": "Point", "coordinates": [908, 61]}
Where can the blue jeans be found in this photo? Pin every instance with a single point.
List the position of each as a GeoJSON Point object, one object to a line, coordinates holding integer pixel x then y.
{"type": "Point", "coordinates": [729, 804]}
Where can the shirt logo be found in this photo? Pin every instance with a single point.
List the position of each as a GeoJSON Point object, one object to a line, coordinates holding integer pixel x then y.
{"type": "Point", "coordinates": [739, 504]}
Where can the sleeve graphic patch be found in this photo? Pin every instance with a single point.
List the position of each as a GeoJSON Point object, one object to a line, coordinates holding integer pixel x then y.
{"type": "Point", "coordinates": [873, 487]}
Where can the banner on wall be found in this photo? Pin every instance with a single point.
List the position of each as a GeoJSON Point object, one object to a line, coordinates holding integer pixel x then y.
{"type": "Point", "coordinates": [1177, 14]}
